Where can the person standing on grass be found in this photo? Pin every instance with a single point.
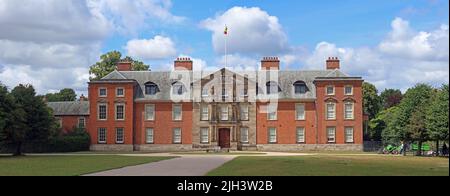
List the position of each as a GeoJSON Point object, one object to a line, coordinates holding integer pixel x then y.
{"type": "Point", "coordinates": [444, 149]}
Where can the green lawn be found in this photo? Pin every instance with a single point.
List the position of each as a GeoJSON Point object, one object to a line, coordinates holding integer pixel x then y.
{"type": "Point", "coordinates": [334, 166]}
{"type": "Point", "coordinates": [67, 165]}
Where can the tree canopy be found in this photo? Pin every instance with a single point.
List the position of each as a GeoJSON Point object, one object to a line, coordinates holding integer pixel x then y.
{"type": "Point", "coordinates": [390, 98]}
{"type": "Point", "coordinates": [372, 102]}
{"type": "Point", "coordinates": [437, 115]}
{"type": "Point", "coordinates": [28, 118]}
{"type": "Point", "coordinates": [66, 94]}
{"type": "Point", "coordinates": [108, 63]}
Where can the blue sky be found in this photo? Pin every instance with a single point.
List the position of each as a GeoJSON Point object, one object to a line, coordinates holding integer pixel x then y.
{"type": "Point", "coordinates": [353, 23]}
{"type": "Point", "coordinates": [390, 43]}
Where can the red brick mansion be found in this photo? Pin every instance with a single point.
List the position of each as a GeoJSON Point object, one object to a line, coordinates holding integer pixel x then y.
{"type": "Point", "coordinates": [182, 110]}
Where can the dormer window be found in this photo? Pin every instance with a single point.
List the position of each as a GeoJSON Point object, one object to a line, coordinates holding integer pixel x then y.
{"type": "Point", "coordinates": [205, 92]}
{"type": "Point", "coordinates": [300, 87]}
{"type": "Point", "coordinates": [272, 88]}
{"type": "Point", "coordinates": [178, 88]}
{"type": "Point", "coordinates": [151, 88]}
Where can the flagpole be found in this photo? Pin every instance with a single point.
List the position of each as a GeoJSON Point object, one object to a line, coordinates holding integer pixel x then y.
{"type": "Point", "coordinates": [226, 47]}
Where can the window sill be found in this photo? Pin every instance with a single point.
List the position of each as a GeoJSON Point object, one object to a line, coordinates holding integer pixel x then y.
{"type": "Point", "coordinates": [120, 120]}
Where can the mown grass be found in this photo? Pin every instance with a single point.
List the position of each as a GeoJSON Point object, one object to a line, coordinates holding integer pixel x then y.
{"type": "Point", "coordinates": [337, 165]}
{"type": "Point", "coordinates": [67, 165]}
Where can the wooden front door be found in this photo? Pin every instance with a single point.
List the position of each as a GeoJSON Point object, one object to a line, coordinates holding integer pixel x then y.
{"type": "Point", "coordinates": [224, 138]}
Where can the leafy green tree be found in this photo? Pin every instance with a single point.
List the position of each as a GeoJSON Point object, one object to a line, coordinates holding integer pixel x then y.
{"type": "Point", "coordinates": [417, 129]}
{"type": "Point", "coordinates": [437, 116]}
{"type": "Point", "coordinates": [414, 102]}
{"type": "Point", "coordinates": [372, 102]}
{"type": "Point", "coordinates": [30, 120]}
{"type": "Point", "coordinates": [372, 105]}
{"type": "Point", "coordinates": [108, 63]}
{"type": "Point", "coordinates": [66, 94]}
{"type": "Point", "coordinates": [390, 98]}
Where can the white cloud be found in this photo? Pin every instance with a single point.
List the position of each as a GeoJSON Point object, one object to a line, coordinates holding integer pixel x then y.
{"type": "Point", "coordinates": [250, 31]}
{"type": "Point", "coordinates": [404, 58]}
{"type": "Point", "coordinates": [149, 49]}
{"type": "Point", "coordinates": [237, 62]}
{"type": "Point", "coordinates": [403, 42]}
{"type": "Point", "coordinates": [130, 16]}
{"type": "Point", "coordinates": [50, 47]}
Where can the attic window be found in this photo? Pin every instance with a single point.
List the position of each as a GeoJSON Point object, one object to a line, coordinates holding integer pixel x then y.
{"type": "Point", "coordinates": [272, 87]}
{"type": "Point", "coordinates": [300, 87]}
{"type": "Point", "coordinates": [178, 88]}
{"type": "Point", "coordinates": [151, 88]}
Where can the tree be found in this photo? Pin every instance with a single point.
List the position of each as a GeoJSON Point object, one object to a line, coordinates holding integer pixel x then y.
{"type": "Point", "coordinates": [387, 124]}
{"type": "Point", "coordinates": [390, 98]}
{"type": "Point", "coordinates": [29, 119]}
{"type": "Point", "coordinates": [416, 128]}
{"type": "Point", "coordinates": [66, 94]}
{"type": "Point", "coordinates": [414, 102]}
{"type": "Point", "coordinates": [108, 62]}
{"type": "Point", "coordinates": [437, 116]}
{"type": "Point", "coordinates": [371, 100]}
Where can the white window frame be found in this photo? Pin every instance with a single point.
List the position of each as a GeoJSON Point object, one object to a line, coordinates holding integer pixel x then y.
{"type": "Point", "coordinates": [272, 138]}
{"type": "Point", "coordinates": [117, 135]}
{"type": "Point", "coordinates": [345, 90]}
{"type": "Point", "coordinates": [327, 112]}
{"type": "Point", "coordinates": [245, 115]}
{"type": "Point", "coordinates": [177, 138]}
{"type": "Point", "coordinates": [331, 131]}
{"type": "Point", "coordinates": [297, 112]}
{"type": "Point", "coordinates": [174, 115]}
{"type": "Point", "coordinates": [149, 117]}
{"type": "Point", "coordinates": [115, 111]}
{"type": "Point", "coordinates": [270, 112]}
{"type": "Point", "coordinates": [100, 90]}
{"type": "Point", "coordinates": [204, 115]}
{"type": "Point", "coordinates": [224, 113]}
{"type": "Point", "coordinates": [346, 134]}
{"type": "Point", "coordinates": [99, 130]}
{"type": "Point", "coordinates": [330, 86]}
{"type": "Point", "coordinates": [204, 135]}
{"type": "Point", "coordinates": [99, 112]}
{"type": "Point", "coordinates": [301, 135]}
{"type": "Point", "coordinates": [205, 92]}
{"type": "Point", "coordinates": [117, 92]}
{"type": "Point", "coordinates": [352, 117]}
{"type": "Point", "coordinates": [244, 134]}
{"type": "Point", "coordinates": [84, 122]}
{"type": "Point", "coordinates": [148, 135]}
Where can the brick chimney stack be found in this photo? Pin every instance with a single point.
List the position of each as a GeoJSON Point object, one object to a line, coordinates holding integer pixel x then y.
{"type": "Point", "coordinates": [270, 63]}
{"type": "Point", "coordinates": [333, 63]}
{"type": "Point", "coordinates": [83, 98]}
{"type": "Point", "coordinates": [183, 63]}
{"type": "Point", "coordinates": [124, 65]}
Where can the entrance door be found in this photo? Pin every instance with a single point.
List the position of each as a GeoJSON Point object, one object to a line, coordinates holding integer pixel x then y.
{"type": "Point", "coordinates": [224, 138]}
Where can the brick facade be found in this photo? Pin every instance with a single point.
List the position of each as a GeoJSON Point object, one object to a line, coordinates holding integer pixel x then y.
{"type": "Point", "coordinates": [226, 109]}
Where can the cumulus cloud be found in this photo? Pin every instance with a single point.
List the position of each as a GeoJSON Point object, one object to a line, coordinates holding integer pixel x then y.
{"type": "Point", "coordinates": [130, 16]}
{"type": "Point", "coordinates": [51, 43]}
{"type": "Point", "coordinates": [406, 43]}
{"type": "Point", "coordinates": [403, 58]}
{"type": "Point", "coordinates": [149, 49]}
{"type": "Point", "coordinates": [238, 62]}
{"type": "Point", "coordinates": [250, 31]}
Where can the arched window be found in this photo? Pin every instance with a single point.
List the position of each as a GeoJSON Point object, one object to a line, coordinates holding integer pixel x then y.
{"type": "Point", "coordinates": [178, 88]}
{"type": "Point", "coordinates": [300, 87]}
{"type": "Point", "coordinates": [272, 87]}
{"type": "Point", "coordinates": [151, 88]}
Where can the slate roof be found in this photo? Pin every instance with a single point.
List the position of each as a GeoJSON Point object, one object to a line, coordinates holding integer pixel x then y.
{"type": "Point", "coordinates": [286, 80]}
{"type": "Point", "coordinates": [73, 108]}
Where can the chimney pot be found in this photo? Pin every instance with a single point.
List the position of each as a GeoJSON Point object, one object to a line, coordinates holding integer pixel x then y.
{"type": "Point", "coordinates": [333, 63]}
{"type": "Point", "coordinates": [183, 63]}
{"type": "Point", "coordinates": [270, 63]}
{"type": "Point", "coordinates": [124, 66]}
